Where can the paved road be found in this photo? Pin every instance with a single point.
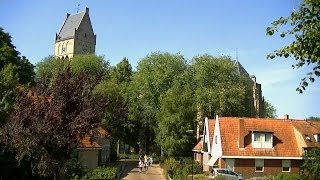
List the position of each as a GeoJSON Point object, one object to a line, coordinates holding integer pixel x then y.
{"type": "Point", "coordinates": [131, 172]}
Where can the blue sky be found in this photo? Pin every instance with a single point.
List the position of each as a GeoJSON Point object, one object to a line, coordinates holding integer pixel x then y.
{"type": "Point", "coordinates": [133, 29]}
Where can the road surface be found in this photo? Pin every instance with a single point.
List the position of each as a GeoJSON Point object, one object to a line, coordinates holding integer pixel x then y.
{"type": "Point", "coordinates": [131, 172]}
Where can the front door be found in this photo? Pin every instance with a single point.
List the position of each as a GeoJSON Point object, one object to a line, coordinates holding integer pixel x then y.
{"type": "Point", "coordinates": [230, 164]}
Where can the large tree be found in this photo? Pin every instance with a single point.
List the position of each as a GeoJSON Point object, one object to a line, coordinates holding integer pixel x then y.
{"type": "Point", "coordinates": [45, 130]}
{"type": "Point", "coordinates": [154, 76]}
{"type": "Point", "coordinates": [303, 25]}
{"type": "Point", "coordinates": [14, 71]}
{"type": "Point", "coordinates": [269, 111]}
{"type": "Point", "coordinates": [220, 90]}
{"type": "Point", "coordinates": [177, 115]}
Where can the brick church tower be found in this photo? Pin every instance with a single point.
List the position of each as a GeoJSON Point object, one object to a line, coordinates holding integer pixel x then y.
{"type": "Point", "coordinates": [76, 36]}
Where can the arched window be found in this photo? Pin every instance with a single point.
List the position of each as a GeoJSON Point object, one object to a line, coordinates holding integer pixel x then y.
{"type": "Point", "coordinates": [59, 46]}
{"type": "Point", "coordinates": [67, 46]}
{"type": "Point", "coordinates": [63, 49]}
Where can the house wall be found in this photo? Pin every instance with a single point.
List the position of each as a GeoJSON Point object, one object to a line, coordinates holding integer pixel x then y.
{"type": "Point", "coordinates": [246, 167]}
{"type": "Point", "coordinates": [300, 140]}
{"type": "Point", "coordinates": [206, 158]}
{"type": "Point", "coordinates": [105, 151]}
{"type": "Point", "coordinates": [89, 157]}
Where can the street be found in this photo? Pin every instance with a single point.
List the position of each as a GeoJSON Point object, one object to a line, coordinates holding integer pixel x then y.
{"type": "Point", "coordinates": [131, 172]}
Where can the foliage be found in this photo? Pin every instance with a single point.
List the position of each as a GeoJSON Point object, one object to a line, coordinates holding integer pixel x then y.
{"type": "Point", "coordinates": [154, 76]}
{"type": "Point", "coordinates": [101, 173]}
{"type": "Point", "coordinates": [200, 177]}
{"type": "Point", "coordinates": [269, 111]}
{"type": "Point", "coordinates": [219, 87]}
{"type": "Point", "coordinates": [304, 26]}
{"type": "Point", "coordinates": [312, 118]}
{"type": "Point", "coordinates": [219, 177]}
{"type": "Point", "coordinates": [45, 130]}
{"type": "Point", "coordinates": [177, 115]}
{"type": "Point", "coordinates": [23, 69]}
{"type": "Point", "coordinates": [14, 71]}
{"type": "Point", "coordinates": [171, 165]}
{"type": "Point", "coordinates": [285, 176]}
{"type": "Point", "coordinates": [311, 167]}
{"type": "Point", "coordinates": [48, 69]}
{"type": "Point", "coordinates": [181, 173]}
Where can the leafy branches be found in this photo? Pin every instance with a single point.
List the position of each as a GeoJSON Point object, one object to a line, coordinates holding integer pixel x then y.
{"type": "Point", "coordinates": [304, 26]}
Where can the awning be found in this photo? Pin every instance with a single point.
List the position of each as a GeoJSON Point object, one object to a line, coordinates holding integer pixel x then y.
{"type": "Point", "coordinates": [212, 160]}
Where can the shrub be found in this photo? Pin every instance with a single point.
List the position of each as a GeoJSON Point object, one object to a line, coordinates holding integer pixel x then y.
{"type": "Point", "coordinates": [171, 165]}
{"type": "Point", "coordinates": [219, 177]}
{"type": "Point", "coordinates": [286, 176]}
{"type": "Point", "coordinates": [109, 173]}
{"type": "Point", "coordinates": [181, 173]}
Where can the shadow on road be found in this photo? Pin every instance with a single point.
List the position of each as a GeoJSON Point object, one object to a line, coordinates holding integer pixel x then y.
{"type": "Point", "coordinates": [131, 166]}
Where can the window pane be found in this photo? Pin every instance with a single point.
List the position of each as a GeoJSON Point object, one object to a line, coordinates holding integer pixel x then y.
{"type": "Point", "coordinates": [259, 163]}
{"type": "Point", "coordinates": [286, 169]}
{"type": "Point", "coordinates": [268, 137]}
{"type": "Point", "coordinates": [286, 164]}
{"type": "Point", "coordinates": [256, 136]}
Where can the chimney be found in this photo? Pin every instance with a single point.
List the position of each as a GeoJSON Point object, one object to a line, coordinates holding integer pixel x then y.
{"type": "Point", "coordinates": [286, 116]}
{"type": "Point", "coordinates": [87, 10]}
{"type": "Point", "coordinates": [241, 133]}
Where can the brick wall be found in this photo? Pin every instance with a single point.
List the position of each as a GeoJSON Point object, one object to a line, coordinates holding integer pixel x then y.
{"type": "Point", "coordinates": [246, 167]}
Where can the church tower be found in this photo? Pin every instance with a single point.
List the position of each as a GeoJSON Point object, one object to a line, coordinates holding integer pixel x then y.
{"type": "Point", "coordinates": [76, 36]}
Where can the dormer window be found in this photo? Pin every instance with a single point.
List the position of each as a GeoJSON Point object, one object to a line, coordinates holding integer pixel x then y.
{"type": "Point", "coordinates": [317, 137]}
{"type": "Point", "coordinates": [262, 139]}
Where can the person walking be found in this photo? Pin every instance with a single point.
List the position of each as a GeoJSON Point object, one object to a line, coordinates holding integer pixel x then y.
{"type": "Point", "coordinates": [140, 165]}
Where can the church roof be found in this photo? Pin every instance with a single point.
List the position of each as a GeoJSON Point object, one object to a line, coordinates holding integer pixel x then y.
{"type": "Point", "coordinates": [71, 23]}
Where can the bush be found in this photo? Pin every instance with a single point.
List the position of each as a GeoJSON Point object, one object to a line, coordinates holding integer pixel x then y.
{"type": "Point", "coordinates": [219, 177]}
{"type": "Point", "coordinates": [109, 173]}
{"type": "Point", "coordinates": [171, 165]}
{"type": "Point", "coordinates": [286, 176]}
{"type": "Point", "coordinates": [181, 173]}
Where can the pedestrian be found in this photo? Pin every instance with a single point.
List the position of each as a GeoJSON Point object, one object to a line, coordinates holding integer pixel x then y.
{"type": "Point", "coordinates": [146, 165]}
{"type": "Point", "coordinates": [140, 166]}
{"type": "Point", "coordinates": [151, 160]}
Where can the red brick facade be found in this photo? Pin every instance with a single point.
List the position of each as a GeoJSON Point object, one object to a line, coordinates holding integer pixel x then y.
{"type": "Point", "coordinates": [246, 167]}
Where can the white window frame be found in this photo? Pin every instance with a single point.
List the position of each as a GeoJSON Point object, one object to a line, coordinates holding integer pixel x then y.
{"type": "Point", "coordinates": [259, 140]}
{"type": "Point", "coordinates": [286, 163]}
{"type": "Point", "coordinates": [259, 163]}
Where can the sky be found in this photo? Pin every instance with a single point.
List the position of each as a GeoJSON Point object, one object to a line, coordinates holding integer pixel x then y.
{"type": "Point", "coordinates": [134, 29]}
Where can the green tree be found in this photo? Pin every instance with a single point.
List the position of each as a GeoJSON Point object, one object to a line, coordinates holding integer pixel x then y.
{"type": "Point", "coordinates": [312, 118]}
{"type": "Point", "coordinates": [220, 90]}
{"type": "Point", "coordinates": [48, 69]}
{"type": "Point", "coordinates": [177, 115]}
{"type": "Point", "coordinates": [304, 26]}
{"type": "Point", "coordinates": [269, 110]}
{"type": "Point", "coordinates": [14, 71]}
{"type": "Point", "coordinates": [9, 55]}
{"type": "Point", "coordinates": [311, 166]}
{"type": "Point", "coordinates": [154, 76]}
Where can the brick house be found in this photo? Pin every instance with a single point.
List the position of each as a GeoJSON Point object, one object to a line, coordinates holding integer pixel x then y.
{"type": "Point", "coordinates": [255, 146]}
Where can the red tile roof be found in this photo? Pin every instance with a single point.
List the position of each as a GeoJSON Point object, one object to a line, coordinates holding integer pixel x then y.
{"type": "Point", "coordinates": [308, 129]}
{"type": "Point", "coordinates": [198, 146]}
{"type": "Point", "coordinates": [211, 123]}
{"type": "Point", "coordinates": [88, 141]}
{"type": "Point", "coordinates": [284, 142]}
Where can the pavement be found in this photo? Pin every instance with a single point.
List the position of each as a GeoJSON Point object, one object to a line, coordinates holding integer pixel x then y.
{"type": "Point", "coordinates": [131, 172]}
